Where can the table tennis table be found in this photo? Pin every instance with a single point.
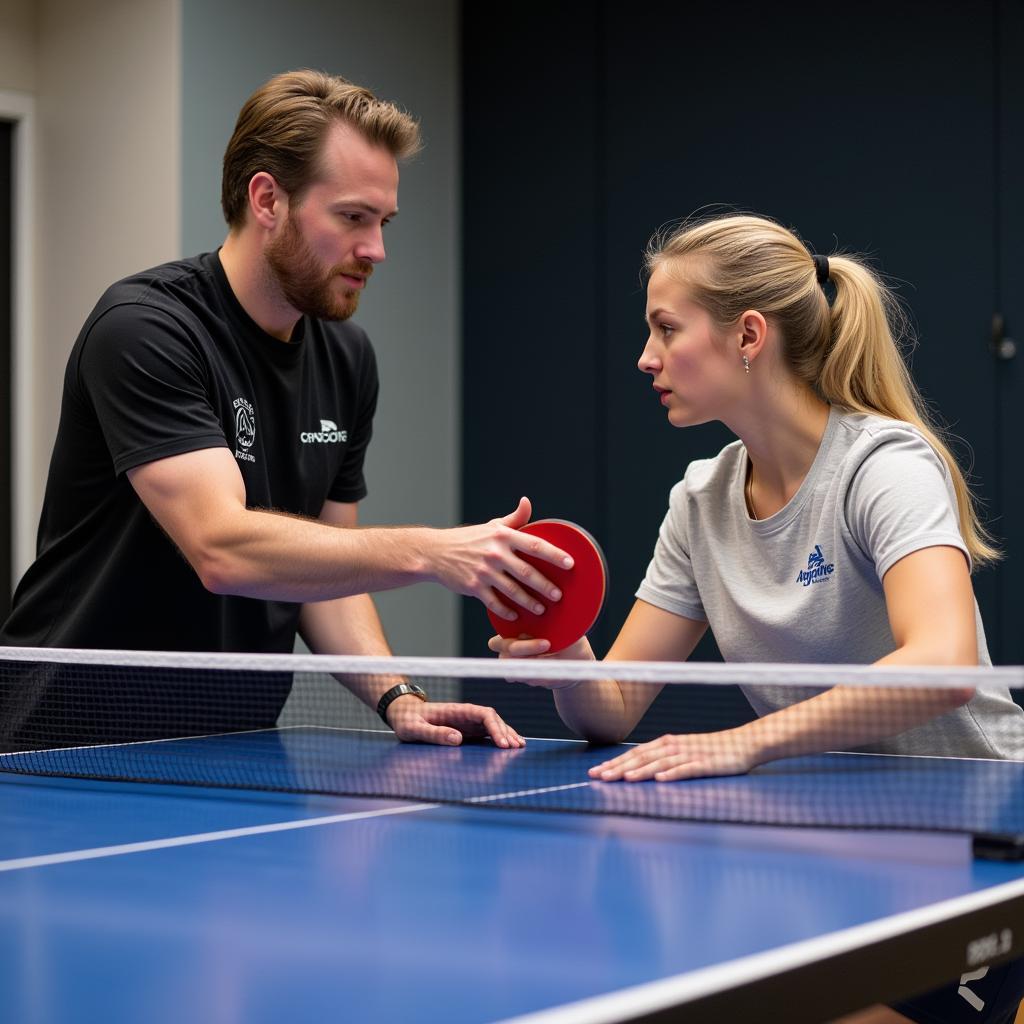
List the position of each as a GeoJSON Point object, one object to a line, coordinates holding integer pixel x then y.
{"type": "Point", "coordinates": [147, 901]}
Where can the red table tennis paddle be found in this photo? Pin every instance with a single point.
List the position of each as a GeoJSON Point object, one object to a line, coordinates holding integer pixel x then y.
{"type": "Point", "coordinates": [583, 587]}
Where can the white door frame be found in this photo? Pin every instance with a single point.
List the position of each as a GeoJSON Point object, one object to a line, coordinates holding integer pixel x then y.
{"type": "Point", "coordinates": [19, 108]}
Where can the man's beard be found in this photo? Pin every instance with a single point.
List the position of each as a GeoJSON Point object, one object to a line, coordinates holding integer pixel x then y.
{"type": "Point", "coordinates": [303, 282]}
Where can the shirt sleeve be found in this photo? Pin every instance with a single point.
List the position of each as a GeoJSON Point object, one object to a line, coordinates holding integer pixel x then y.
{"type": "Point", "coordinates": [148, 386]}
{"type": "Point", "coordinates": [350, 482]}
{"type": "Point", "coordinates": [901, 499]}
{"type": "Point", "coordinates": [669, 583]}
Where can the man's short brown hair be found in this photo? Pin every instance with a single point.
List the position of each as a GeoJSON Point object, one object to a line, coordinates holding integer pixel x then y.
{"type": "Point", "coordinates": [281, 129]}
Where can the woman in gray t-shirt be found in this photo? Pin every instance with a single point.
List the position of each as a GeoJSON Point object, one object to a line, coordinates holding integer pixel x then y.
{"type": "Point", "coordinates": [837, 529]}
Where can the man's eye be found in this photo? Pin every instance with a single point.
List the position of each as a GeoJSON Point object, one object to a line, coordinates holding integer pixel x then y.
{"type": "Point", "coordinates": [353, 218]}
{"type": "Point", "coordinates": [385, 222]}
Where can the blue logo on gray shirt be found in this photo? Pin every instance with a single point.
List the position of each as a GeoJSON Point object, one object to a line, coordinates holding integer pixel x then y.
{"type": "Point", "coordinates": [818, 570]}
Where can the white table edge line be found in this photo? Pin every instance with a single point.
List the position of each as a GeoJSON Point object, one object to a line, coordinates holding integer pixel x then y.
{"type": "Point", "coordinates": [664, 993]}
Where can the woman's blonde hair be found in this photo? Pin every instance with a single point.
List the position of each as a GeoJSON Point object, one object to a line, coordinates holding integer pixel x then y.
{"type": "Point", "coordinates": [848, 353]}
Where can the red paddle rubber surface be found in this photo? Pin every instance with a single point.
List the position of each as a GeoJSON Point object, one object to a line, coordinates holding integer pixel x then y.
{"type": "Point", "coordinates": [583, 588]}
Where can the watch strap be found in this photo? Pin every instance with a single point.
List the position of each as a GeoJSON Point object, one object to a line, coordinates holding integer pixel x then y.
{"type": "Point", "coordinates": [390, 696]}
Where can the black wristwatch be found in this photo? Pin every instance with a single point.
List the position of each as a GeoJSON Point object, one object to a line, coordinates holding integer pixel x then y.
{"type": "Point", "coordinates": [388, 698]}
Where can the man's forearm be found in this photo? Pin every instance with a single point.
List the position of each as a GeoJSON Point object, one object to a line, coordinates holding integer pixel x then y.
{"type": "Point", "coordinates": [350, 625]}
{"type": "Point", "coordinates": [273, 556]}
{"type": "Point", "coordinates": [199, 500]}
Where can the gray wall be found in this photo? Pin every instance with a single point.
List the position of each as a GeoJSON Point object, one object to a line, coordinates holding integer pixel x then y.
{"type": "Point", "coordinates": [406, 51]}
{"type": "Point", "coordinates": [103, 80]}
{"type": "Point", "coordinates": [18, 45]}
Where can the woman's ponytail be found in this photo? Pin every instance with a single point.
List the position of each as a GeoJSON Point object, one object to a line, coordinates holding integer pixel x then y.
{"type": "Point", "coordinates": [848, 353]}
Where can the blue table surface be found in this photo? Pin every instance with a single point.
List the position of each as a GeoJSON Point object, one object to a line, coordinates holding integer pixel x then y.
{"type": "Point", "coordinates": [140, 901]}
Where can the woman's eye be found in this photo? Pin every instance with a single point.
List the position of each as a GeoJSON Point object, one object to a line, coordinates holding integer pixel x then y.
{"type": "Point", "coordinates": [665, 329]}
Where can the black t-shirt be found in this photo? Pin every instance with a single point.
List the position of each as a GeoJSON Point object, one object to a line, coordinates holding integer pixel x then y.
{"type": "Point", "coordinates": [169, 362]}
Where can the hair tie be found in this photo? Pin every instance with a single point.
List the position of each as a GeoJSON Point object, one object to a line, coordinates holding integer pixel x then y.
{"type": "Point", "coordinates": [821, 268]}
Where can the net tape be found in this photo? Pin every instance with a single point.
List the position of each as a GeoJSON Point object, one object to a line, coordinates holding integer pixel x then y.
{"type": "Point", "coordinates": [704, 673]}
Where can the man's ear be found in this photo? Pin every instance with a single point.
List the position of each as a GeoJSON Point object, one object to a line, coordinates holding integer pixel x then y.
{"type": "Point", "coordinates": [268, 202]}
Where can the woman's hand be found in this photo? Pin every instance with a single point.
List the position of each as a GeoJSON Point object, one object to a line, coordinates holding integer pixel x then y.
{"type": "Point", "coordinates": [687, 756]}
{"type": "Point", "coordinates": [529, 647]}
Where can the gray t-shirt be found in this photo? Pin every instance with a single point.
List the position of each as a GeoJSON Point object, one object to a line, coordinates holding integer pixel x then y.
{"type": "Point", "coordinates": [805, 585]}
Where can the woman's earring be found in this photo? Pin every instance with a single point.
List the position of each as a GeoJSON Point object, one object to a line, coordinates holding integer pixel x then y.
{"type": "Point", "coordinates": [746, 364]}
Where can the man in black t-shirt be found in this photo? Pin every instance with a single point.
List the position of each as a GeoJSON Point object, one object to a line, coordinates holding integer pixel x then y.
{"type": "Point", "coordinates": [204, 484]}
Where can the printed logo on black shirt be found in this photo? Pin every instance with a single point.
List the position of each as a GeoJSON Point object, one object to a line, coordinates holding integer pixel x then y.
{"type": "Point", "coordinates": [245, 429]}
{"type": "Point", "coordinates": [327, 434]}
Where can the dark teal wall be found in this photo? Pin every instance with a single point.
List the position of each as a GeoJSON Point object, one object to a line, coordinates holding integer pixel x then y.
{"type": "Point", "coordinates": [891, 130]}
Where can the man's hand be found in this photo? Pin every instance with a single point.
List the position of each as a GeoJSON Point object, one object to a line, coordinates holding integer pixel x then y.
{"type": "Point", "coordinates": [417, 721]}
{"type": "Point", "coordinates": [481, 561]}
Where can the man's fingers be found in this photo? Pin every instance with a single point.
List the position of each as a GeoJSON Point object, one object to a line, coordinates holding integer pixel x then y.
{"type": "Point", "coordinates": [422, 731]}
{"type": "Point", "coordinates": [484, 561]}
{"type": "Point", "coordinates": [541, 549]}
{"type": "Point", "coordinates": [535, 580]}
{"type": "Point", "coordinates": [475, 720]}
{"type": "Point", "coordinates": [488, 722]}
{"type": "Point", "coordinates": [530, 544]}
{"type": "Point", "coordinates": [520, 517]}
{"type": "Point", "coordinates": [499, 731]}
{"type": "Point", "coordinates": [509, 588]}
{"type": "Point", "coordinates": [492, 603]}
